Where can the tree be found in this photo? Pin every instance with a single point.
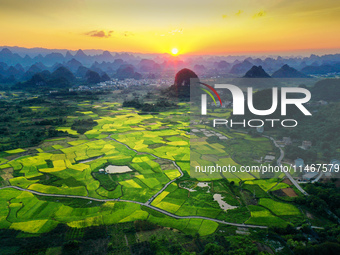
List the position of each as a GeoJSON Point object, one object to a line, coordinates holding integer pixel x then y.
{"type": "Point", "coordinates": [213, 249]}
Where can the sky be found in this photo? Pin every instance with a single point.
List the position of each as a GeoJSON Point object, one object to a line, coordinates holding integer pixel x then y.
{"type": "Point", "coordinates": [192, 26]}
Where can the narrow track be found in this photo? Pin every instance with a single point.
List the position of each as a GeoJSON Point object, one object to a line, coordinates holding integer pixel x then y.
{"type": "Point", "coordinates": [148, 203]}
{"type": "Point", "coordinates": [135, 202]}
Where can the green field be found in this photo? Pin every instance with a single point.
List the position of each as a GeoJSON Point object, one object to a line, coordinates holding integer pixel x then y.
{"type": "Point", "coordinates": [279, 208]}
{"type": "Point", "coordinates": [75, 166]}
{"type": "Point", "coordinates": [262, 216]}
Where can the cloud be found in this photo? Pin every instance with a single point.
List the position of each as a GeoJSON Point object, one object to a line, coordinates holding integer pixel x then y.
{"type": "Point", "coordinates": [260, 14]}
{"type": "Point", "coordinates": [99, 33]}
{"type": "Point", "coordinates": [107, 34]}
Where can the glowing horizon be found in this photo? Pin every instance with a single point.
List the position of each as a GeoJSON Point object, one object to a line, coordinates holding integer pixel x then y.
{"type": "Point", "coordinates": [192, 27]}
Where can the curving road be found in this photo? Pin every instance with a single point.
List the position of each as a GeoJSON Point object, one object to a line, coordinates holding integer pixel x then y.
{"type": "Point", "coordinates": [148, 203]}
{"type": "Point", "coordinates": [290, 177]}
{"type": "Point", "coordinates": [166, 185]}
{"type": "Point", "coordinates": [135, 202]}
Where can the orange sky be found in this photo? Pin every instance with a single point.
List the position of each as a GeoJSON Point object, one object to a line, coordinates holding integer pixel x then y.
{"type": "Point", "coordinates": [194, 27]}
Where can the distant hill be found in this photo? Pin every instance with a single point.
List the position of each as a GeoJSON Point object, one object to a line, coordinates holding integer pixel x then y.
{"type": "Point", "coordinates": [60, 78]}
{"type": "Point", "coordinates": [256, 72]}
{"type": "Point", "coordinates": [200, 68]}
{"type": "Point", "coordinates": [9, 79]}
{"type": "Point", "coordinates": [27, 57]}
{"type": "Point", "coordinates": [20, 64]}
{"type": "Point", "coordinates": [105, 77]}
{"type": "Point", "coordinates": [30, 72]}
{"type": "Point", "coordinates": [13, 71]}
{"type": "Point", "coordinates": [53, 57]}
{"type": "Point", "coordinates": [241, 68]}
{"type": "Point", "coordinates": [256, 77]}
{"type": "Point", "coordinates": [73, 65]}
{"type": "Point", "coordinates": [127, 71]}
{"type": "Point", "coordinates": [271, 64]}
{"type": "Point", "coordinates": [81, 72]}
{"type": "Point", "coordinates": [147, 65]}
{"type": "Point", "coordinates": [323, 69]}
{"type": "Point", "coordinates": [63, 72]}
{"type": "Point", "coordinates": [93, 77]}
{"type": "Point", "coordinates": [8, 57]}
{"type": "Point", "coordinates": [288, 72]}
{"type": "Point", "coordinates": [222, 65]}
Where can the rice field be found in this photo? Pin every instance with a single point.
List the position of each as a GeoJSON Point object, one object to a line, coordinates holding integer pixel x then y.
{"type": "Point", "coordinates": [262, 216]}
{"type": "Point", "coordinates": [279, 208]}
{"type": "Point", "coordinates": [75, 166]}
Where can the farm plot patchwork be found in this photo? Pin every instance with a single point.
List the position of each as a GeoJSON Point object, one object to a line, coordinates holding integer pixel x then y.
{"type": "Point", "coordinates": [207, 149]}
{"type": "Point", "coordinates": [61, 174]}
{"type": "Point", "coordinates": [268, 184]}
{"type": "Point", "coordinates": [25, 206]}
{"type": "Point", "coordinates": [279, 208]}
{"type": "Point", "coordinates": [198, 202]}
{"type": "Point", "coordinates": [76, 167]}
{"type": "Point", "coordinates": [262, 216]}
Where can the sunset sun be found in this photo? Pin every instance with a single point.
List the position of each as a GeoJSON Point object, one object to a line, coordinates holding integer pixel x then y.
{"type": "Point", "coordinates": [174, 51]}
